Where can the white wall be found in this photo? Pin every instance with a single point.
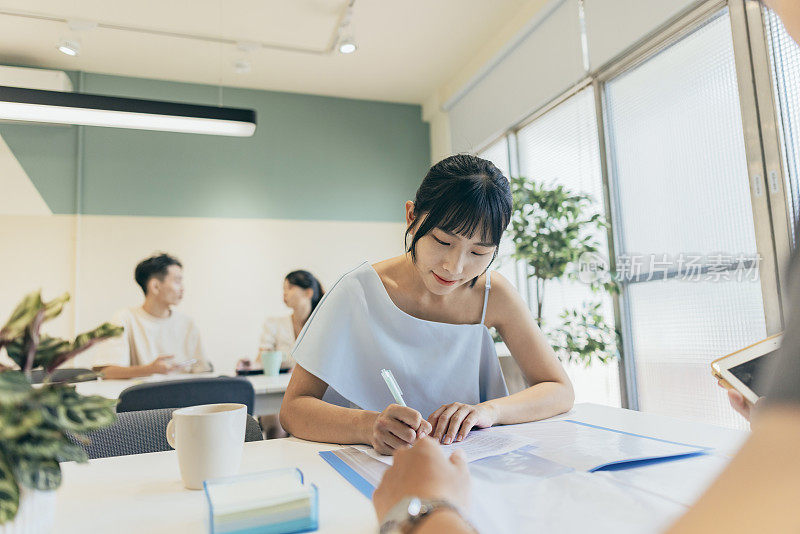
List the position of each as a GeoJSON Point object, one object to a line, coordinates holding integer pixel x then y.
{"type": "Point", "coordinates": [233, 268]}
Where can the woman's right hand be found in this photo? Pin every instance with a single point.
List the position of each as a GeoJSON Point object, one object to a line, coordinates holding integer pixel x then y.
{"type": "Point", "coordinates": [397, 427]}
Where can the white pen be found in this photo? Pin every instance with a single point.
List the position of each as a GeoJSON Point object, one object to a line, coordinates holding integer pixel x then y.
{"type": "Point", "coordinates": [394, 389]}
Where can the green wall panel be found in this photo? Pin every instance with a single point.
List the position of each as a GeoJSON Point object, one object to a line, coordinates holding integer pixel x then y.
{"type": "Point", "coordinates": [311, 158]}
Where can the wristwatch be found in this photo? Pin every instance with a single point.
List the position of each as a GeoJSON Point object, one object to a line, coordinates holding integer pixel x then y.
{"type": "Point", "coordinates": [410, 511]}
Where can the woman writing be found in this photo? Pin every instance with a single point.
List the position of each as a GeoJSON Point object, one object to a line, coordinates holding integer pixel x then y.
{"type": "Point", "coordinates": [425, 315]}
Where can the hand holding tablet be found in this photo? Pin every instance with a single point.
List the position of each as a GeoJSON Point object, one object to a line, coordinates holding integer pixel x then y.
{"type": "Point", "coordinates": [742, 371]}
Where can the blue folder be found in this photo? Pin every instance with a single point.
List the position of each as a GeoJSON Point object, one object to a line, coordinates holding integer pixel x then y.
{"type": "Point", "coordinates": [367, 489]}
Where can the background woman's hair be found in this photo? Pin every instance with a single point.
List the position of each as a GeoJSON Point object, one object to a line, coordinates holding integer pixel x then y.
{"type": "Point", "coordinates": [306, 280]}
{"type": "Point", "coordinates": [458, 195]}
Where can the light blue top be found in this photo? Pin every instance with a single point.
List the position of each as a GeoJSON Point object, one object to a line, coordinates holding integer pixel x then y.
{"type": "Point", "coordinates": [356, 330]}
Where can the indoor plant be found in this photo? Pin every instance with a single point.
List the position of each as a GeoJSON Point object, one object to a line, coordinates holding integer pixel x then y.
{"type": "Point", "coordinates": [35, 422]}
{"type": "Point", "coordinates": [552, 229]}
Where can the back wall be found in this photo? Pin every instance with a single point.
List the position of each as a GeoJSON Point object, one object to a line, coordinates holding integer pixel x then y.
{"type": "Point", "coordinates": [321, 186]}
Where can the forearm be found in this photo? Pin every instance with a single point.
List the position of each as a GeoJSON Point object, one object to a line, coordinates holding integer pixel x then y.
{"type": "Point", "coordinates": [119, 372]}
{"type": "Point", "coordinates": [444, 521]}
{"type": "Point", "coordinates": [762, 480]}
{"type": "Point", "coordinates": [540, 401]}
{"type": "Point", "coordinates": [313, 419]}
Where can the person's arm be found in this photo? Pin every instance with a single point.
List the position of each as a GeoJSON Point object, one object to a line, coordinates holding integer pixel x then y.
{"type": "Point", "coordinates": [760, 489]}
{"type": "Point", "coordinates": [423, 471]}
{"type": "Point", "coordinates": [162, 365]}
{"type": "Point", "coordinates": [305, 415]}
{"type": "Point", "coordinates": [551, 390]}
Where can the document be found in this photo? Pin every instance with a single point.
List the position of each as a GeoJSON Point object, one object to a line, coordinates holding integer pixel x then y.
{"type": "Point", "coordinates": [477, 445]}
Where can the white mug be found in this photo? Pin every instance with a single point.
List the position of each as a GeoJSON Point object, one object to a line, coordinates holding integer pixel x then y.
{"type": "Point", "coordinates": [209, 439]}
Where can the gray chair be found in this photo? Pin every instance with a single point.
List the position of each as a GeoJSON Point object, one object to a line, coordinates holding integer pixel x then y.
{"type": "Point", "coordinates": [64, 375]}
{"type": "Point", "coordinates": [142, 432]}
{"type": "Point", "coordinates": [189, 392]}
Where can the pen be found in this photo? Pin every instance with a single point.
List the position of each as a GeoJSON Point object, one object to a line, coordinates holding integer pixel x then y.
{"type": "Point", "coordinates": [394, 389]}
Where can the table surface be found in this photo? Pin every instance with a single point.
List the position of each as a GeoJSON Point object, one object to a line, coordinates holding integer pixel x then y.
{"type": "Point", "coordinates": [144, 493]}
{"type": "Point", "coordinates": [263, 385]}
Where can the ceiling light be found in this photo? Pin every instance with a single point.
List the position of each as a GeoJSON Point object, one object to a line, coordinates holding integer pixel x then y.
{"type": "Point", "coordinates": [241, 66]}
{"type": "Point", "coordinates": [347, 46]}
{"type": "Point", "coordinates": [70, 47]}
{"type": "Point", "coordinates": [55, 107]}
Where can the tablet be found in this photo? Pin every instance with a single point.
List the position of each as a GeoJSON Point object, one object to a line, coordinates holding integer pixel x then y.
{"type": "Point", "coordinates": [743, 369]}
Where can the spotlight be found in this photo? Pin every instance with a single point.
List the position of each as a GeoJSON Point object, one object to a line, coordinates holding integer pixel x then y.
{"type": "Point", "coordinates": [347, 46]}
{"type": "Point", "coordinates": [70, 47]}
{"type": "Point", "coordinates": [241, 66]}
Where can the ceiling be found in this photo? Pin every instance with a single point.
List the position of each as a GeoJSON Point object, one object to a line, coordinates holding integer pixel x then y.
{"type": "Point", "coordinates": [407, 50]}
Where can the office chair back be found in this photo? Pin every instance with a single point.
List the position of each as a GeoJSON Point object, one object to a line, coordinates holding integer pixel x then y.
{"type": "Point", "coordinates": [141, 432]}
{"type": "Point", "coordinates": [188, 392]}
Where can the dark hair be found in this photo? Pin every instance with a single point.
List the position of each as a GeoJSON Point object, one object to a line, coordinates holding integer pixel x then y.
{"type": "Point", "coordinates": [154, 266]}
{"type": "Point", "coordinates": [459, 194]}
{"type": "Point", "coordinates": [306, 280]}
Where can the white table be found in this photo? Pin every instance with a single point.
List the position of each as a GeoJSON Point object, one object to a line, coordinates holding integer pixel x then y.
{"type": "Point", "coordinates": [143, 493]}
{"type": "Point", "coordinates": [269, 389]}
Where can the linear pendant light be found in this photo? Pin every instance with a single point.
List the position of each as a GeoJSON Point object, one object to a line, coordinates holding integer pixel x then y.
{"type": "Point", "coordinates": [56, 107]}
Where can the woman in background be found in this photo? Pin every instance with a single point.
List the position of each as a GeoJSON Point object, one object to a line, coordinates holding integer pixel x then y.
{"type": "Point", "coordinates": [301, 292]}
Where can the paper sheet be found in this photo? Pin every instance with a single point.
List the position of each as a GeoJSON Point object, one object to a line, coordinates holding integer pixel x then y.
{"type": "Point", "coordinates": [477, 445]}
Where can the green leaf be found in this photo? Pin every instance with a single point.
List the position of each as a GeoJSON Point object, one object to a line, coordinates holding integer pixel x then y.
{"type": "Point", "coordinates": [14, 387]}
{"type": "Point", "coordinates": [16, 422]}
{"type": "Point", "coordinates": [53, 308]}
{"type": "Point", "coordinates": [80, 414]}
{"type": "Point", "coordinates": [9, 491]}
{"type": "Point", "coordinates": [48, 444]}
{"type": "Point", "coordinates": [43, 475]}
{"type": "Point", "coordinates": [84, 341]}
{"type": "Point", "coordinates": [22, 316]}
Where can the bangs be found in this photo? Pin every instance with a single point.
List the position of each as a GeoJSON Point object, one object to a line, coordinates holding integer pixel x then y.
{"type": "Point", "coordinates": [469, 211]}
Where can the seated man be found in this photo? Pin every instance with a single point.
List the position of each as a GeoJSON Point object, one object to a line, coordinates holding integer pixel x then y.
{"type": "Point", "coordinates": [157, 338]}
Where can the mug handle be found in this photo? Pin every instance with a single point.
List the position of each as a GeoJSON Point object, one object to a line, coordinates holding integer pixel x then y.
{"type": "Point", "coordinates": [171, 433]}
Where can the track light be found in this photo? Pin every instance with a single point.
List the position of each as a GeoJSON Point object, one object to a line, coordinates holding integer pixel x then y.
{"type": "Point", "coordinates": [347, 46]}
{"type": "Point", "coordinates": [70, 47]}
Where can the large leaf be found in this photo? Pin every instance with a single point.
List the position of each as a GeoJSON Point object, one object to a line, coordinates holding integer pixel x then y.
{"type": "Point", "coordinates": [48, 444]}
{"type": "Point", "coordinates": [18, 421]}
{"type": "Point", "coordinates": [48, 350]}
{"type": "Point", "coordinates": [84, 341]}
{"type": "Point", "coordinates": [79, 414]}
{"type": "Point", "coordinates": [22, 316]}
{"type": "Point", "coordinates": [38, 474]}
{"type": "Point", "coordinates": [53, 308]}
{"type": "Point", "coordinates": [9, 491]}
{"type": "Point", "coordinates": [14, 388]}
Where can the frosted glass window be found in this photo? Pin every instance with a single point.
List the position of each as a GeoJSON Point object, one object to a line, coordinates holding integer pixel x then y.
{"type": "Point", "coordinates": [785, 59]}
{"type": "Point", "coordinates": [561, 148]}
{"type": "Point", "coordinates": [680, 177]}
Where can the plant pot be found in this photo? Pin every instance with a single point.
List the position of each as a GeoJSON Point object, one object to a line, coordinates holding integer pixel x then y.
{"type": "Point", "coordinates": [36, 514]}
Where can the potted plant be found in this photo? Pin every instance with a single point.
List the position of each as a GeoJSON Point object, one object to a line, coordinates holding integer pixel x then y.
{"type": "Point", "coordinates": [553, 229]}
{"type": "Point", "coordinates": [36, 422]}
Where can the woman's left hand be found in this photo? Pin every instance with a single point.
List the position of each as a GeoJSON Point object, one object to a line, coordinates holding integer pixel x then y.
{"type": "Point", "coordinates": [452, 422]}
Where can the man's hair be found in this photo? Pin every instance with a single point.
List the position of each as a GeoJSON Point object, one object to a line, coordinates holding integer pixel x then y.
{"type": "Point", "coordinates": [153, 267]}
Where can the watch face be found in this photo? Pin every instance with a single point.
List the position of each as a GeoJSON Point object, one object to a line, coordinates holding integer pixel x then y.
{"type": "Point", "coordinates": [414, 507]}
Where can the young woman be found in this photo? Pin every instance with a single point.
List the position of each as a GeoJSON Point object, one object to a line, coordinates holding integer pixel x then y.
{"type": "Point", "coordinates": [425, 316]}
{"type": "Point", "coordinates": [301, 293]}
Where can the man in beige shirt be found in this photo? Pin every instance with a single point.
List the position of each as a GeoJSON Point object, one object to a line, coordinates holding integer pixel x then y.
{"type": "Point", "coordinates": [157, 338]}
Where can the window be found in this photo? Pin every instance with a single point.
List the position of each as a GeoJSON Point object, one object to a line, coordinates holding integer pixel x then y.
{"type": "Point", "coordinates": [497, 153]}
{"type": "Point", "coordinates": [561, 148]}
{"type": "Point", "coordinates": [678, 165]}
{"type": "Point", "coordinates": [785, 60]}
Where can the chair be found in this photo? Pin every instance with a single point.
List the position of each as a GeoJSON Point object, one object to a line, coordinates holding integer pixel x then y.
{"type": "Point", "coordinates": [64, 375]}
{"type": "Point", "coordinates": [188, 392]}
{"type": "Point", "coordinates": [142, 432]}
